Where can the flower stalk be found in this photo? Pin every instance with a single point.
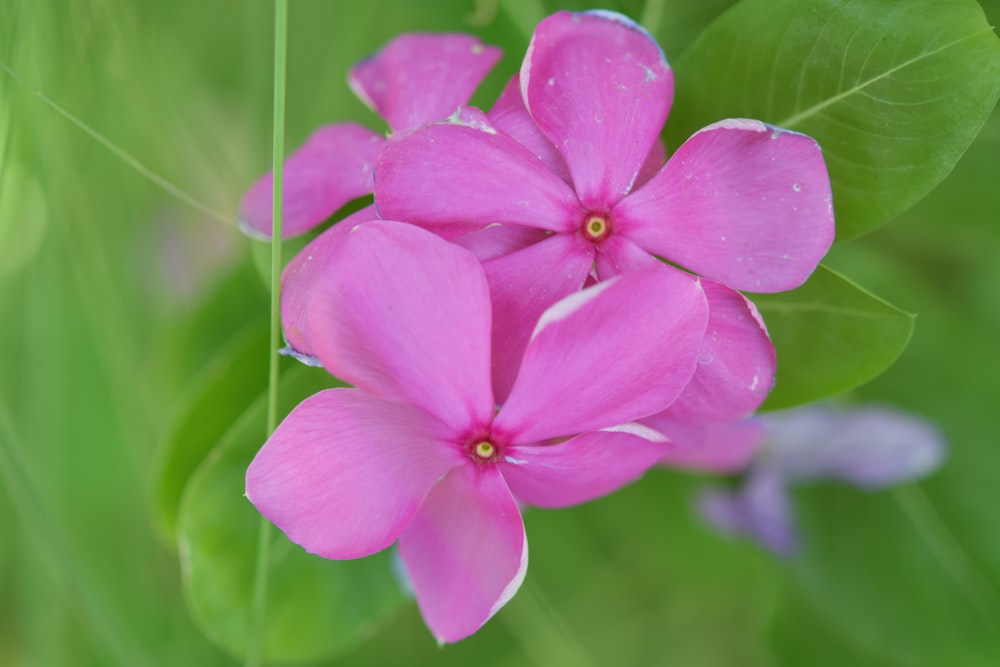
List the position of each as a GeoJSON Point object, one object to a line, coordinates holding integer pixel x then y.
{"type": "Point", "coordinates": [258, 610]}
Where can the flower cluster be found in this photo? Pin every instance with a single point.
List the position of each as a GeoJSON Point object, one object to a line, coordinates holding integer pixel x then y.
{"type": "Point", "coordinates": [535, 310]}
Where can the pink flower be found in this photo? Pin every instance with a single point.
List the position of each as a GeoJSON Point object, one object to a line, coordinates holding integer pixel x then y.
{"type": "Point", "coordinates": [420, 454]}
{"type": "Point", "coordinates": [575, 157]}
{"type": "Point", "coordinates": [414, 79]}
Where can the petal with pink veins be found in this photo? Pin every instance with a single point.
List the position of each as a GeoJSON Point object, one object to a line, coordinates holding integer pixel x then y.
{"type": "Point", "coordinates": [465, 552]}
{"type": "Point", "coordinates": [510, 115]}
{"type": "Point", "coordinates": [612, 353]}
{"type": "Point", "coordinates": [299, 277]}
{"type": "Point", "coordinates": [598, 86]}
{"type": "Point", "coordinates": [406, 315]}
{"type": "Point", "coordinates": [465, 172]}
{"type": "Point", "coordinates": [720, 447]}
{"type": "Point", "coordinates": [522, 285]}
{"type": "Point", "coordinates": [578, 470]}
{"type": "Point", "coordinates": [740, 202]}
{"type": "Point", "coordinates": [420, 78]}
{"type": "Point", "coordinates": [736, 363]}
{"type": "Point", "coordinates": [333, 167]}
{"type": "Point", "coordinates": [345, 472]}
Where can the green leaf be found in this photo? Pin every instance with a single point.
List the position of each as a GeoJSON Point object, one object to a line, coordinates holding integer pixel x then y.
{"type": "Point", "coordinates": [676, 24]}
{"type": "Point", "coordinates": [192, 344]}
{"type": "Point", "coordinates": [831, 336]}
{"type": "Point", "coordinates": [316, 607]}
{"type": "Point", "coordinates": [893, 91]}
{"type": "Point", "coordinates": [229, 383]}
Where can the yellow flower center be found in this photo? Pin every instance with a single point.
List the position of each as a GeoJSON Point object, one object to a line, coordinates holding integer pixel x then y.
{"type": "Point", "coordinates": [596, 227]}
{"type": "Point", "coordinates": [485, 450]}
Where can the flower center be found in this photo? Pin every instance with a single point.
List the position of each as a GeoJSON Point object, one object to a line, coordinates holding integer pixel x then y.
{"type": "Point", "coordinates": [482, 449]}
{"type": "Point", "coordinates": [485, 450]}
{"type": "Point", "coordinates": [596, 227]}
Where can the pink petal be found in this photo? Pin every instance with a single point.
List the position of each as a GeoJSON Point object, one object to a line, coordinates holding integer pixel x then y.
{"type": "Point", "coordinates": [466, 172]}
{"type": "Point", "coordinates": [300, 275]}
{"type": "Point", "coordinates": [599, 88]}
{"type": "Point", "coordinates": [510, 115]}
{"type": "Point", "coordinates": [736, 364]}
{"type": "Point", "coordinates": [345, 472]}
{"type": "Point", "coordinates": [572, 472]}
{"type": "Point", "coordinates": [720, 447]}
{"type": "Point", "coordinates": [465, 552]}
{"type": "Point", "coordinates": [742, 203]}
{"type": "Point", "coordinates": [617, 255]}
{"type": "Point", "coordinates": [499, 240]}
{"type": "Point", "coordinates": [522, 285]}
{"type": "Point", "coordinates": [406, 315]}
{"type": "Point", "coordinates": [333, 167]}
{"type": "Point", "coordinates": [612, 353]}
{"type": "Point", "coordinates": [420, 78]}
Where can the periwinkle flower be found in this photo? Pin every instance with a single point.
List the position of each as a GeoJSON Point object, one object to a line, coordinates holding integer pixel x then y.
{"type": "Point", "coordinates": [870, 447]}
{"type": "Point", "coordinates": [420, 453]}
{"type": "Point", "coordinates": [572, 154]}
{"type": "Point", "coordinates": [414, 79]}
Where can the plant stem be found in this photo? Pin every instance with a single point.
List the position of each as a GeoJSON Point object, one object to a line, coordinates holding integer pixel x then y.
{"type": "Point", "coordinates": [258, 611]}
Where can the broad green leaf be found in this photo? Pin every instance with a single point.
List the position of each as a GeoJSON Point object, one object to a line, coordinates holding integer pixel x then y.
{"type": "Point", "coordinates": [831, 336]}
{"type": "Point", "coordinates": [230, 382]}
{"type": "Point", "coordinates": [190, 345]}
{"type": "Point", "coordinates": [316, 607]}
{"type": "Point", "coordinates": [893, 91]}
{"type": "Point", "coordinates": [677, 24]}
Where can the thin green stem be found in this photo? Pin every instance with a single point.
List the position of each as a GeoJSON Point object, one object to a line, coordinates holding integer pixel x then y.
{"type": "Point", "coordinates": [258, 611]}
{"type": "Point", "coordinates": [161, 182]}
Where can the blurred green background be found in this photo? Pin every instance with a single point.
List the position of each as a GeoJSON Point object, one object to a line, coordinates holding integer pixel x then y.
{"type": "Point", "coordinates": [116, 298]}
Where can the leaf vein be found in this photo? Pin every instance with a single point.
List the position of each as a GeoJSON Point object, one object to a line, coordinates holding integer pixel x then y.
{"type": "Point", "coordinates": [797, 118]}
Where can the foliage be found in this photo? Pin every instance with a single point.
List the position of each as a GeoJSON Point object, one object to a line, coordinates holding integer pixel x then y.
{"type": "Point", "coordinates": [132, 351]}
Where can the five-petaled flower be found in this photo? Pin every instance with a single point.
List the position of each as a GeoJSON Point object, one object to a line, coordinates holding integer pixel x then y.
{"type": "Point", "coordinates": [420, 453]}
{"type": "Point", "coordinates": [534, 349]}
{"type": "Point", "coordinates": [570, 153]}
